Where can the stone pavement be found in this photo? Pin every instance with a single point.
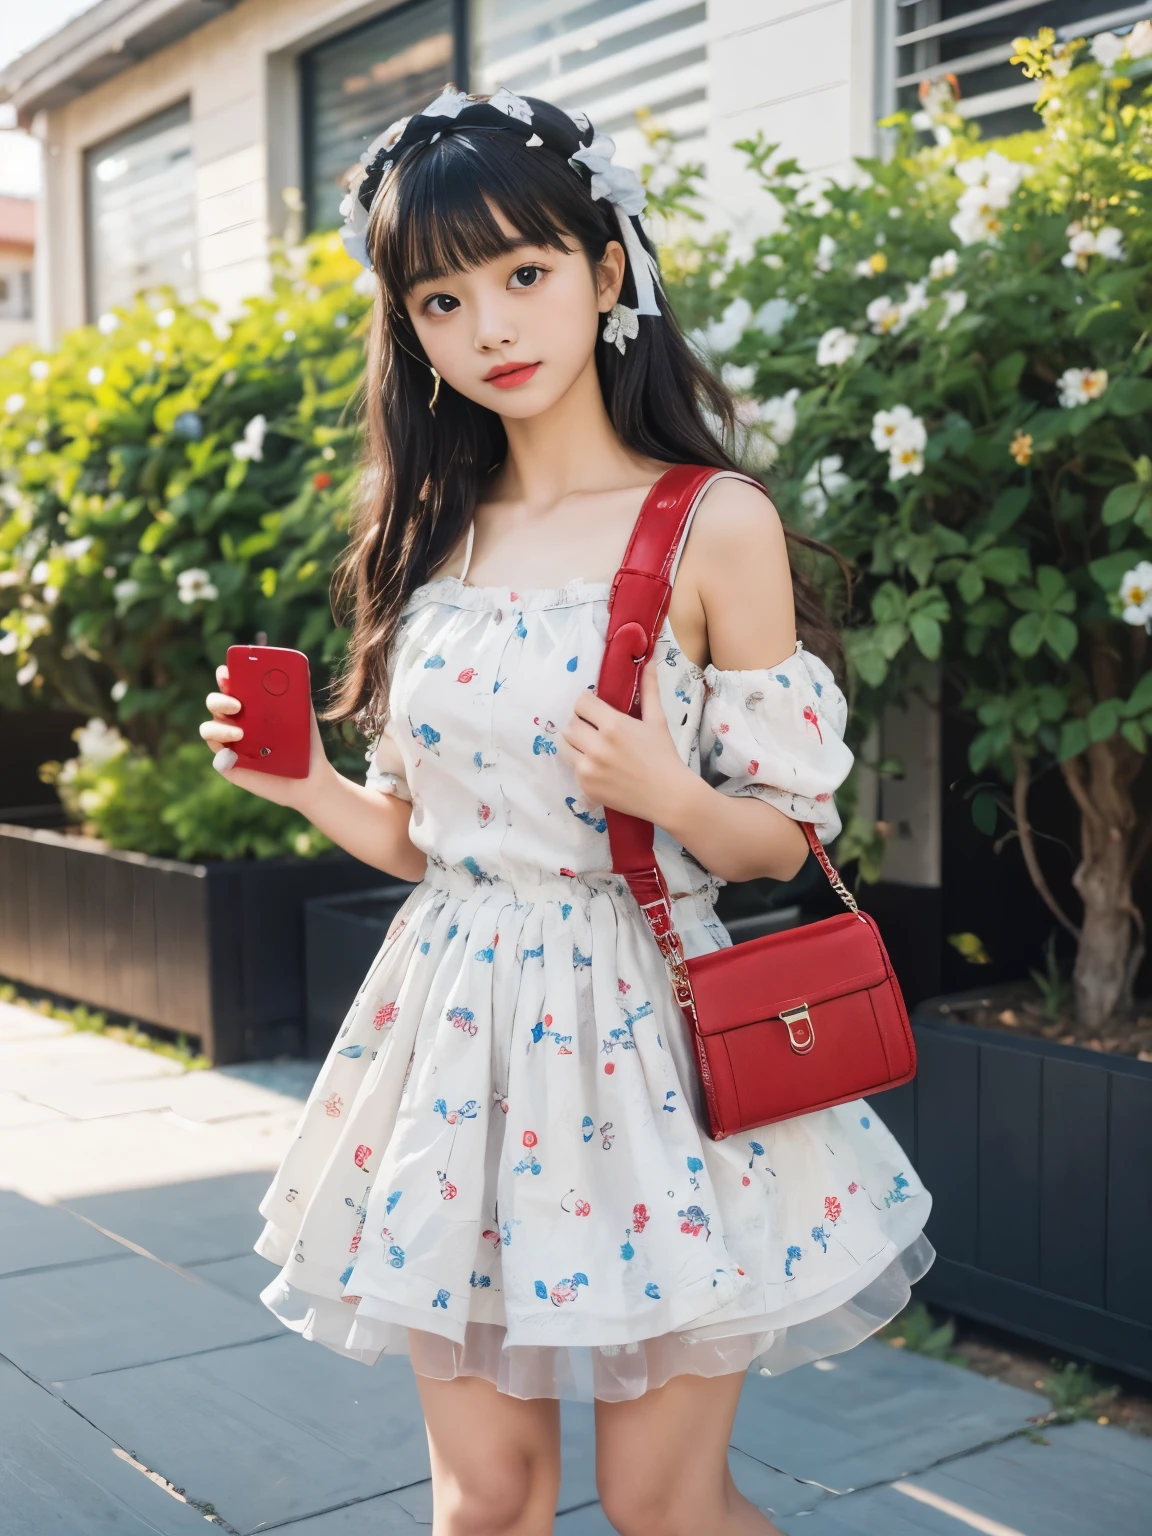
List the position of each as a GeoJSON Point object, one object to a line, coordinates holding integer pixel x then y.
{"type": "Point", "coordinates": [145, 1389]}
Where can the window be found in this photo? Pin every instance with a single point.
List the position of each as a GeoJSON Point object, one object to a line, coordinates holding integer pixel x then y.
{"type": "Point", "coordinates": [608, 57]}
{"type": "Point", "coordinates": [16, 295]}
{"type": "Point", "coordinates": [141, 211]}
{"type": "Point", "coordinates": [358, 83]}
{"type": "Point", "coordinates": [974, 42]}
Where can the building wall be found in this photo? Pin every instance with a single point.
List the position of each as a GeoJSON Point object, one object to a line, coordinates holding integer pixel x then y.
{"type": "Point", "coordinates": [801, 70]}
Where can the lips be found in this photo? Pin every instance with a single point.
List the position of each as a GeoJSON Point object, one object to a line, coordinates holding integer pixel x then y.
{"type": "Point", "coordinates": [509, 375]}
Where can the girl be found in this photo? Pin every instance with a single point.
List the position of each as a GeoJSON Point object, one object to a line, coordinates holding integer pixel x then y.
{"type": "Point", "coordinates": [501, 1168]}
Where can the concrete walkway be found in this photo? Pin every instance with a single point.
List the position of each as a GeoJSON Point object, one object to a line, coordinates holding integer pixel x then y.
{"type": "Point", "coordinates": [145, 1389]}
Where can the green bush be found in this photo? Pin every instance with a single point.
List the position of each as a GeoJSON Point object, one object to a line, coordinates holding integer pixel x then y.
{"type": "Point", "coordinates": [946, 365]}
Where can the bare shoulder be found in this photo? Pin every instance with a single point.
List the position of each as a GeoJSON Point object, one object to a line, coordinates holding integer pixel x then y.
{"type": "Point", "coordinates": [737, 561]}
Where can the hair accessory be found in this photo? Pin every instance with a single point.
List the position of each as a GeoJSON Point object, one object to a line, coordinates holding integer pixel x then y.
{"type": "Point", "coordinates": [621, 326]}
{"type": "Point", "coordinates": [540, 125]}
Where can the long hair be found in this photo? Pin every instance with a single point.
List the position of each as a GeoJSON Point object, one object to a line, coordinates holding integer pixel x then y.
{"type": "Point", "coordinates": [422, 473]}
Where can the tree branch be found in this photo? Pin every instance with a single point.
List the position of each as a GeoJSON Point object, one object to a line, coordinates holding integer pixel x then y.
{"type": "Point", "coordinates": [1020, 787]}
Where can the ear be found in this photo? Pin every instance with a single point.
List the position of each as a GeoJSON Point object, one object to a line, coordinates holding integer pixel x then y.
{"type": "Point", "coordinates": [610, 276]}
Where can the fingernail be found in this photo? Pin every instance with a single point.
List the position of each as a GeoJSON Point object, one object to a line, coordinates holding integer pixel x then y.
{"type": "Point", "coordinates": [224, 760]}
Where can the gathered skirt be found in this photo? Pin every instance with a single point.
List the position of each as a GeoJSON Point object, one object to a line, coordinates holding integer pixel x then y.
{"type": "Point", "coordinates": [501, 1169]}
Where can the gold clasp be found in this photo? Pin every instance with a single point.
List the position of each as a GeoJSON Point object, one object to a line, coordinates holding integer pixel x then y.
{"type": "Point", "coordinates": [798, 1023]}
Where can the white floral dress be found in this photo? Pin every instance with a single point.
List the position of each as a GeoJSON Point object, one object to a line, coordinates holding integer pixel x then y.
{"type": "Point", "coordinates": [501, 1168]}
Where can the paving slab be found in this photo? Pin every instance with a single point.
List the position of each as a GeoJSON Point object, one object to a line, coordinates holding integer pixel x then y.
{"type": "Point", "coordinates": [590, 1521]}
{"type": "Point", "coordinates": [245, 1275]}
{"type": "Point", "coordinates": [60, 1324]}
{"type": "Point", "coordinates": [15, 1109]}
{"type": "Point", "coordinates": [25, 1063]}
{"type": "Point", "coordinates": [60, 1476]}
{"type": "Point", "coordinates": [34, 1236]}
{"type": "Point", "coordinates": [71, 1158]}
{"type": "Point", "coordinates": [878, 1415]}
{"type": "Point", "coordinates": [266, 1433]}
{"type": "Point", "coordinates": [189, 1223]}
{"type": "Point", "coordinates": [292, 1076]}
{"type": "Point", "coordinates": [22, 1024]}
{"type": "Point", "coordinates": [383, 1516]}
{"type": "Point", "coordinates": [202, 1095]}
{"type": "Point", "coordinates": [772, 1492]}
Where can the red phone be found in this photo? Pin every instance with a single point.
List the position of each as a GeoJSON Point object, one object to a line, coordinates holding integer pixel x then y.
{"type": "Point", "coordinates": [275, 694]}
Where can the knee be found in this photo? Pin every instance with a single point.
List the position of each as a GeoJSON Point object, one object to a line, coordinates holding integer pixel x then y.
{"type": "Point", "coordinates": [637, 1506]}
{"type": "Point", "coordinates": [491, 1500]}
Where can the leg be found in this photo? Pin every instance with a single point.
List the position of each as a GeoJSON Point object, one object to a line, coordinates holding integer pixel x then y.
{"type": "Point", "coordinates": [495, 1458]}
{"type": "Point", "coordinates": [662, 1462]}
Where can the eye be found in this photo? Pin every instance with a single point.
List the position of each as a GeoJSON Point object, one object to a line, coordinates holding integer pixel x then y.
{"type": "Point", "coordinates": [440, 304]}
{"type": "Point", "coordinates": [526, 277]}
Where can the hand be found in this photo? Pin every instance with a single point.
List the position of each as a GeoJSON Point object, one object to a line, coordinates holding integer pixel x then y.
{"type": "Point", "coordinates": [627, 764]}
{"type": "Point", "coordinates": [220, 733]}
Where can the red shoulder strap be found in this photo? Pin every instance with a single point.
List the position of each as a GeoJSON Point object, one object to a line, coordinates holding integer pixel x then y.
{"type": "Point", "coordinates": [637, 607]}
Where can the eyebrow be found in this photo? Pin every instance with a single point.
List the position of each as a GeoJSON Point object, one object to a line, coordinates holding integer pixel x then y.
{"type": "Point", "coordinates": [429, 275]}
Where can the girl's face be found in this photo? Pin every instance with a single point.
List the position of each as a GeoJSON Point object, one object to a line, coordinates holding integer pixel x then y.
{"type": "Point", "coordinates": [514, 333]}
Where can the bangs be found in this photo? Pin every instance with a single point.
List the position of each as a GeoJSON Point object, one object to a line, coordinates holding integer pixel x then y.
{"type": "Point", "coordinates": [436, 218]}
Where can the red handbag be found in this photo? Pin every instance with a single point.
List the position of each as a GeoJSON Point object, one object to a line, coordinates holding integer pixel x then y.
{"type": "Point", "coordinates": [789, 1023]}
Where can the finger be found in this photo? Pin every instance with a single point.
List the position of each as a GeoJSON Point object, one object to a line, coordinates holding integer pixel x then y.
{"type": "Point", "coordinates": [222, 704]}
{"type": "Point", "coordinates": [579, 735]}
{"type": "Point", "coordinates": [217, 732]}
{"type": "Point", "coordinates": [596, 712]}
{"type": "Point", "coordinates": [224, 760]}
{"type": "Point", "coordinates": [222, 675]}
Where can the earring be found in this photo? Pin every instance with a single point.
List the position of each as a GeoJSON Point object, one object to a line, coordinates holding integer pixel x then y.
{"type": "Point", "coordinates": [435, 392]}
{"type": "Point", "coordinates": [621, 326]}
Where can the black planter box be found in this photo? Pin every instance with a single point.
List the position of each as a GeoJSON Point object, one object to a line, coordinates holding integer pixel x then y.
{"type": "Point", "coordinates": [341, 937]}
{"type": "Point", "coordinates": [215, 949]}
{"type": "Point", "coordinates": [1039, 1160]}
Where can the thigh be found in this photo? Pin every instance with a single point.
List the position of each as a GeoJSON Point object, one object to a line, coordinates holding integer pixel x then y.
{"type": "Point", "coordinates": [495, 1458]}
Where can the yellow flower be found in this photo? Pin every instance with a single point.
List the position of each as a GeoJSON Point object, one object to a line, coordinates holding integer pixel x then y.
{"type": "Point", "coordinates": [878, 261]}
{"type": "Point", "coordinates": [1021, 448]}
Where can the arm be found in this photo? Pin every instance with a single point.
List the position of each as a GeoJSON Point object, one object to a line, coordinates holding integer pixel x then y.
{"type": "Point", "coordinates": [734, 589]}
{"type": "Point", "coordinates": [371, 826]}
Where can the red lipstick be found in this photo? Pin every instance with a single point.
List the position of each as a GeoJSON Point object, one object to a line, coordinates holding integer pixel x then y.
{"type": "Point", "coordinates": [509, 375]}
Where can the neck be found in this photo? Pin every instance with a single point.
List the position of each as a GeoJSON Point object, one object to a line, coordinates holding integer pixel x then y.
{"type": "Point", "coordinates": [569, 448]}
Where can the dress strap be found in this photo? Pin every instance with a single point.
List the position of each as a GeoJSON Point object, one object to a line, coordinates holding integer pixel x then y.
{"type": "Point", "coordinates": [468, 549]}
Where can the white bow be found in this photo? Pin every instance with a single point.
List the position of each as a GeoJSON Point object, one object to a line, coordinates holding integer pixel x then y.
{"type": "Point", "coordinates": [625, 191]}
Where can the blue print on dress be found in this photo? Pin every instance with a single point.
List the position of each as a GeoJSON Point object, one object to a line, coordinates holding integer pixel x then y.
{"type": "Point", "coordinates": [506, 1228]}
{"type": "Point", "coordinates": [820, 1236]}
{"type": "Point", "coordinates": [520, 632]}
{"type": "Point", "coordinates": [488, 954]}
{"type": "Point", "coordinates": [433, 661]}
{"type": "Point", "coordinates": [693, 1221]}
{"type": "Point", "coordinates": [544, 745]}
{"type": "Point", "coordinates": [351, 1050]}
{"type": "Point", "coordinates": [482, 1282]}
{"type": "Point", "coordinates": [441, 1299]}
{"type": "Point", "coordinates": [527, 1164]}
{"type": "Point", "coordinates": [896, 1195]}
{"type": "Point", "coordinates": [396, 1256]}
{"type": "Point", "coordinates": [694, 1167]}
{"type": "Point", "coordinates": [428, 736]}
{"type": "Point", "coordinates": [452, 932]}
{"type": "Point", "coordinates": [865, 1122]}
{"type": "Point", "coordinates": [564, 1290]}
{"type": "Point", "coordinates": [390, 1203]}
{"type": "Point", "coordinates": [480, 876]}
{"type": "Point", "coordinates": [652, 1290]}
{"type": "Point", "coordinates": [426, 946]}
{"type": "Point", "coordinates": [533, 954]}
{"type": "Point", "coordinates": [347, 1275]}
{"type": "Point", "coordinates": [571, 663]}
{"type": "Point", "coordinates": [671, 1108]}
{"type": "Point", "coordinates": [792, 1255]}
{"type": "Point", "coordinates": [565, 910]}
{"type": "Point", "coordinates": [588, 1128]}
{"type": "Point", "coordinates": [597, 823]}
{"type": "Point", "coordinates": [819, 687]}
{"type": "Point", "coordinates": [543, 1031]}
{"type": "Point", "coordinates": [580, 962]}
{"type": "Point", "coordinates": [467, 1111]}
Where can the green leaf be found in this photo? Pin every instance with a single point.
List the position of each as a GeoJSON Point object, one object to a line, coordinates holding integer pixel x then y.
{"type": "Point", "coordinates": [927, 634]}
{"type": "Point", "coordinates": [1073, 739]}
{"type": "Point", "coordinates": [1140, 698]}
{"type": "Point", "coordinates": [1103, 720]}
{"type": "Point", "coordinates": [1130, 397]}
{"type": "Point", "coordinates": [1109, 570]}
{"type": "Point", "coordinates": [970, 583]}
{"type": "Point", "coordinates": [1050, 583]}
{"type": "Point", "coordinates": [1006, 374]}
{"type": "Point", "coordinates": [1007, 564]}
{"type": "Point", "coordinates": [151, 538]}
{"type": "Point", "coordinates": [984, 813]}
{"type": "Point", "coordinates": [1123, 501]}
{"type": "Point", "coordinates": [1027, 634]}
{"type": "Point", "coordinates": [1008, 508]}
{"type": "Point", "coordinates": [1134, 736]}
{"type": "Point", "coordinates": [1062, 635]}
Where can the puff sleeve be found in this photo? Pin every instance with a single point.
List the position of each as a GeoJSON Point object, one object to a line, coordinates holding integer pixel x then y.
{"type": "Point", "coordinates": [386, 768]}
{"type": "Point", "coordinates": [777, 733]}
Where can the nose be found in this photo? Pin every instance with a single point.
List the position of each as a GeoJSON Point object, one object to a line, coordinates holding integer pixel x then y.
{"type": "Point", "coordinates": [494, 328]}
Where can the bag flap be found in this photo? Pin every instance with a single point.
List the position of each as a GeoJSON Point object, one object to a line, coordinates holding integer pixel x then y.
{"type": "Point", "coordinates": [757, 980]}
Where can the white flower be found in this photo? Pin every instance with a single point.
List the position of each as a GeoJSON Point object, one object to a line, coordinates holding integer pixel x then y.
{"type": "Point", "coordinates": [822, 482]}
{"type": "Point", "coordinates": [165, 318]}
{"type": "Point", "coordinates": [1107, 48]}
{"type": "Point", "coordinates": [955, 303]}
{"type": "Point", "coordinates": [220, 328]}
{"type": "Point", "coordinates": [989, 184]}
{"type": "Point", "coordinates": [835, 347]}
{"type": "Point", "coordinates": [738, 380]}
{"type": "Point", "coordinates": [943, 266]}
{"type": "Point", "coordinates": [340, 320]}
{"type": "Point", "coordinates": [289, 335]}
{"type": "Point", "coordinates": [621, 326]}
{"type": "Point", "coordinates": [33, 445]}
{"type": "Point", "coordinates": [119, 689]}
{"type": "Point", "coordinates": [50, 594]}
{"type": "Point", "coordinates": [915, 301]}
{"type": "Point", "coordinates": [10, 578]}
{"type": "Point", "coordinates": [13, 404]}
{"type": "Point", "coordinates": [773, 315]}
{"type": "Point", "coordinates": [144, 345]}
{"type": "Point", "coordinates": [9, 642]}
{"type": "Point", "coordinates": [905, 461]}
{"type": "Point", "coordinates": [811, 196]}
{"type": "Point", "coordinates": [1140, 40]}
{"type": "Point", "coordinates": [1107, 241]}
{"type": "Point", "coordinates": [280, 316]}
{"type": "Point", "coordinates": [40, 369]}
{"type": "Point", "coordinates": [95, 374]}
{"type": "Point", "coordinates": [1136, 594]}
{"type": "Point", "coordinates": [824, 254]}
{"type": "Point", "coordinates": [126, 591]}
{"type": "Point", "coordinates": [252, 446]}
{"type": "Point", "coordinates": [898, 429]}
{"type": "Point", "coordinates": [194, 585]}
{"type": "Point", "coordinates": [777, 416]}
{"type": "Point", "coordinates": [883, 316]}
{"type": "Point", "coordinates": [39, 573]}
{"type": "Point", "coordinates": [75, 549]}
{"type": "Point", "coordinates": [107, 323]}
{"type": "Point", "coordinates": [27, 672]}
{"type": "Point", "coordinates": [159, 356]}
{"type": "Point", "coordinates": [723, 334]}
{"type": "Point", "coordinates": [974, 226]}
{"type": "Point", "coordinates": [99, 742]}
{"type": "Point", "coordinates": [1079, 385]}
